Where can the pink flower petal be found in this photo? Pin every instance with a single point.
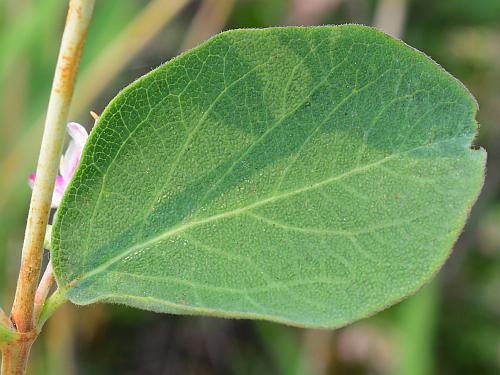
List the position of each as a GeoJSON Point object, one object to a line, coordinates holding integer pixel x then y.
{"type": "Point", "coordinates": [59, 189]}
{"type": "Point", "coordinates": [31, 180]}
{"type": "Point", "coordinates": [73, 153]}
{"type": "Point", "coordinates": [77, 133]}
{"type": "Point", "coordinates": [69, 162]}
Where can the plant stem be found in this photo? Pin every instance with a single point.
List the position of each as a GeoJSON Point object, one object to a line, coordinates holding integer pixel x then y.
{"type": "Point", "coordinates": [79, 14]}
{"type": "Point", "coordinates": [43, 290]}
{"type": "Point", "coordinates": [15, 359]}
{"type": "Point", "coordinates": [75, 30]}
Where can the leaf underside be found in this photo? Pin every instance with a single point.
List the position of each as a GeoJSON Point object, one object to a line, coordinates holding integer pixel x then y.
{"type": "Point", "coordinates": [311, 176]}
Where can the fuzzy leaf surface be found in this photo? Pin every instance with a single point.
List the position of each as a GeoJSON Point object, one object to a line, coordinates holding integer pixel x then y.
{"type": "Point", "coordinates": [311, 176]}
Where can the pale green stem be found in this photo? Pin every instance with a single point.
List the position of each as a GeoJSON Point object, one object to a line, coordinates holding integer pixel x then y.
{"type": "Point", "coordinates": [15, 357]}
{"type": "Point", "coordinates": [79, 15]}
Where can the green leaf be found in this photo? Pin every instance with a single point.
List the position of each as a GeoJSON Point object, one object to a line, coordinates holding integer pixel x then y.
{"type": "Point", "coordinates": [311, 176]}
{"type": "Point", "coordinates": [6, 334]}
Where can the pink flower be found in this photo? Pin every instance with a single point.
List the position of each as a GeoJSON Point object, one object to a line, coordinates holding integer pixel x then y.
{"type": "Point", "coordinates": [69, 161]}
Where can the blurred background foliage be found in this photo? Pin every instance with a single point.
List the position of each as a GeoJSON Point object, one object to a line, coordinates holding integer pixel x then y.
{"type": "Point", "coordinates": [452, 326]}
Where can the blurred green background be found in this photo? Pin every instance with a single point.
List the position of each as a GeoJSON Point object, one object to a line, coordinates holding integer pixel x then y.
{"type": "Point", "coordinates": [452, 326]}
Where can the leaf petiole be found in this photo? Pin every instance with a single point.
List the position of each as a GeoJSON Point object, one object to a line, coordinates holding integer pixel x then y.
{"type": "Point", "coordinates": [56, 300]}
{"type": "Point", "coordinates": [7, 333]}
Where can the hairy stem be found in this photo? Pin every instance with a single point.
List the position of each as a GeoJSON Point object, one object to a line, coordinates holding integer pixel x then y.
{"type": "Point", "coordinates": [77, 22]}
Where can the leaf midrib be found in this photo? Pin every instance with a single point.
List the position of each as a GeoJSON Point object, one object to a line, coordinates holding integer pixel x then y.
{"type": "Point", "coordinates": [182, 228]}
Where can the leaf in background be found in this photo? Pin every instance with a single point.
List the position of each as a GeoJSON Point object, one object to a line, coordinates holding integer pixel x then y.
{"type": "Point", "coordinates": [311, 176]}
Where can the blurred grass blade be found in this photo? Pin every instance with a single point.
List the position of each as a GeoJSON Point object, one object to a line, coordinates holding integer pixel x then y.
{"type": "Point", "coordinates": [24, 33]}
{"type": "Point", "coordinates": [417, 322]}
{"type": "Point", "coordinates": [390, 16]}
{"type": "Point", "coordinates": [92, 82]}
{"type": "Point", "coordinates": [123, 49]}
{"type": "Point", "coordinates": [209, 20]}
{"type": "Point", "coordinates": [284, 348]}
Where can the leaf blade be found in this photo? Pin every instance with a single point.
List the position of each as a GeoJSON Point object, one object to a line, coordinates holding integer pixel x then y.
{"type": "Point", "coordinates": [285, 207]}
